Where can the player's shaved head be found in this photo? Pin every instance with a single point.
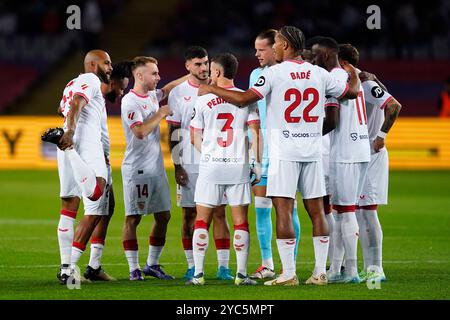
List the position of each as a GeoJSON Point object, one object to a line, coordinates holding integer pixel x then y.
{"type": "Point", "coordinates": [98, 62]}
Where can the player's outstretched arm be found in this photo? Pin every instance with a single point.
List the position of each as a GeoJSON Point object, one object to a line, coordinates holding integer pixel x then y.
{"type": "Point", "coordinates": [240, 99]}
{"type": "Point", "coordinates": [168, 87]}
{"type": "Point", "coordinates": [77, 103]}
{"type": "Point", "coordinates": [142, 130]}
{"type": "Point", "coordinates": [197, 138]}
{"type": "Point", "coordinates": [353, 83]}
{"type": "Point", "coordinates": [391, 112]}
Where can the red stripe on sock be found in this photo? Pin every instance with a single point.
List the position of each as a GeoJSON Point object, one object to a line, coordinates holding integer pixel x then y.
{"type": "Point", "coordinates": [200, 224]}
{"type": "Point", "coordinates": [243, 226]}
{"type": "Point", "coordinates": [342, 209]}
{"type": "Point", "coordinates": [222, 244]}
{"type": "Point", "coordinates": [156, 241]}
{"type": "Point", "coordinates": [130, 244]}
{"type": "Point", "coordinates": [187, 243]}
{"type": "Point", "coordinates": [68, 213]}
{"type": "Point", "coordinates": [78, 245]}
{"type": "Point", "coordinates": [371, 207]}
{"type": "Point", "coordinates": [98, 192]}
{"type": "Point", "coordinates": [97, 240]}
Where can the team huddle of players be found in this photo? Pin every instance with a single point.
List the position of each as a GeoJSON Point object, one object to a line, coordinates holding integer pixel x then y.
{"type": "Point", "coordinates": [310, 122]}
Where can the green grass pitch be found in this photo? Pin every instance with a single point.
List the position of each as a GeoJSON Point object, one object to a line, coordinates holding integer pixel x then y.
{"type": "Point", "coordinates": [416, 227]}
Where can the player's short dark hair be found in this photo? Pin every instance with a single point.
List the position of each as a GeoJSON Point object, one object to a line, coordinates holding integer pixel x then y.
{"type": "Point", "coordinates": [229, 64]}
{"type": "Point", "coordinates": [312, 41]}
{"type": "Point", "coordinates": [295, 37]}
{"type": "Point", "coordinates": [122, 70]}
{"type": "Point", "coordinates": [326, 42]}
{"type": "Point", "coordinates": [268, 34]}
{"type": "Point", "coordinates": [142, 61]}
{"type": "Point", "coordinates": [349, 53]}
{"type": "Point", "coordinates": [195, 52]}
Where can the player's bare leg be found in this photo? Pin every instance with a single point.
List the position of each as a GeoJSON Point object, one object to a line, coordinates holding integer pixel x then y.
{"type": "Point", "coordinates": [285, 241]}
{"type": "Point", "coordinates": [321, 238]}
{"type": "Point", "coordinates": [187, 231]}
{"type": "Point", "coordinates": [156, 245]}
{"type": "Point", "coordinates": [221, 234]}
{"type": "Point", "coordinates": [241, 243]}
{"type": "Point", "coordinates": [200, 241]}
{"type": "Point", "coordinates": [130, 246]}
{"type": "Point", "coordinates": [94, 270]}
{"type": "Point", "coordinates": [69, 208]}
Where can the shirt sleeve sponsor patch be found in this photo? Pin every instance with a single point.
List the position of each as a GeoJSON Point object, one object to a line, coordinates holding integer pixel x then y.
{"type": "Point", "coordinates": [261, 81]}
{"type": "Point", "coordinates": [377, 92]}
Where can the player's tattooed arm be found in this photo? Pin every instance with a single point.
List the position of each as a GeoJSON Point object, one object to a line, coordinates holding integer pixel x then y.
{"type": "Point", "coordinates": [353, 83]}
{"type": "Point", "coordinates": [241, 99]}
{"type": "Point", "coordinates": [77, 103]}
{"type": "Point", "coordinates": [181, 176]}
{"type": "Point", "coordinates": [331, 118]}
{"type": "Point", "coordinates": [197, 138]}
{"type": "Point", "coordinates": [168, 87]}
{"type": "Point", "coordinates": [391, 112]}
{"type": "Point", "coordinates": [142, 130]}
{"type": "Point", "coordinates": [367, 76]}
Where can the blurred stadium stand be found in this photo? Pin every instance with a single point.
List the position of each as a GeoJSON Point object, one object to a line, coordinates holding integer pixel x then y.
{"type": "Point", "coordinates": [38, 55]}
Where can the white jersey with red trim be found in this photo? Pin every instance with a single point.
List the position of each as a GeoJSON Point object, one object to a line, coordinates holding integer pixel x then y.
{"type": "Point", "coordinates": [225, 147]}
{"type": "Point", "coordinates": [295, 95]}
{"type": "Point", "coordinates": [181, 101]}
{"type": "Point", "coordinates": [349, 142]}
{"type": "Point", "coordinates": [143, 157]}
{"type": "Point", "coordinates": [376, 100]}
{"type": "Point", "coordinates": [89, 125]}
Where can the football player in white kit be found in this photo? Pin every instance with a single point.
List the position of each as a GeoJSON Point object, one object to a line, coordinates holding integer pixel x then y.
{"type": "Point", "coordinates": [81, 160]}
{"type": "Point", "coordinates": [220, 133]}
{"type": "Point", "coordinates": [349, 158]}
{"type": "Point", "coordinates": [295, 93]}
{"type": "Point", "coordinates": [382, 111]}
{"type": "Point", "coordinates": [145, 185]}
{"type": "Point", "coordinates": [186, 161]}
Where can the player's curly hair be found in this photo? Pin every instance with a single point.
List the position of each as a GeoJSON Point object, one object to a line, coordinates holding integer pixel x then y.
{"type": "Point", "coordinates": [122, 70]}
{"type": "Point", "coordinates": [349, 53]}
{"type": "Point", "coordinates": [295, 37]}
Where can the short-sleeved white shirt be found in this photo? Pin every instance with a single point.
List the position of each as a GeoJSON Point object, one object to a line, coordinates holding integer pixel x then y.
{"type": "Point", "coordinates": [295, 95]}
{"type": "Point", "coordinates": [225, 147]}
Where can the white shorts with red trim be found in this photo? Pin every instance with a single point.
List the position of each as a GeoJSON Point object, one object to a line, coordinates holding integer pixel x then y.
{"type": "Point", "coordinates": [285, 178]}
{"type": "Point", "coordinates": [346, 182]}
{"type": "Point", "coordinates": [146, 194]}
{"type": "Point", "coordinates": [214, 195]}
{"type": "Point", "coordinates": [99, 207]}
{"type": "Point", "coordinates": [67, 184]}
{"type": "Point", "coordinates": [186, 194]}
{"type": "Point", "coordinates": [375, 189]}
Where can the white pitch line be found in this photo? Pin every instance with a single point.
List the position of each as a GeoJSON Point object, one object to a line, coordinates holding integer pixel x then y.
{"type": "Point", "coordinates": [211, 263]}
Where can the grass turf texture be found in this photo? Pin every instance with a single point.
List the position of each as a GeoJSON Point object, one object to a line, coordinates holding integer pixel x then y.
{"type": "Point", "coordinates": [416, 227]}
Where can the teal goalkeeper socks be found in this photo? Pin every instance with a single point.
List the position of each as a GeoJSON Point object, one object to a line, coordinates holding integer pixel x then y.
{"type": "Point", "coordinates": [296, 222]}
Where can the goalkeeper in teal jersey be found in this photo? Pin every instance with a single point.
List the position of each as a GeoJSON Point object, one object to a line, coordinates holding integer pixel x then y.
{"type": "Point", "coordinates": [266, 57]}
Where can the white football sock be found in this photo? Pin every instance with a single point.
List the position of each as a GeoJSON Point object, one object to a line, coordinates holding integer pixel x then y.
{"type": "Point", "coordinates": [321, 244]}
{"type": "Point", "coordinates": [241, 246]}
{"type": "Point", "coordinates": [65, 238]}
{"type": "Point", "coordinates": [154, 253]}
{"type": "Point", "coordinates": [337, 243]}
{"type": "Point", "coordinates": [375, 237]}
{"type": "Point", "coordinates": [330, 220]}
{"type": "Point", "coordinates": [200, 243]}
{"type": "Point", "coordinates": [75, 256]}
{"type": "Point", "coordinates": [84, 175]}
{"type": "Point", "coordinates": [286, 249]}
{"type": "Point", "coordinates": [363, 237]}
{"type": "Point", "coordinates": [133, 259]}
{"type": "Point", "coordinates": [96, 255]}
{"type": "Point", "coordinates": [223, 257]}
{"type": "Point", "coordinates": [189, 258]}
{"type": "Point", "coordinates": [350, 230]}
{"type": "Point", "coordinates": [268, 263]}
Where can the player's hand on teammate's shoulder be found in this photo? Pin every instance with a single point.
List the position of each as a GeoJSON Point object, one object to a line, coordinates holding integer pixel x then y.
{"type": "Point", "coordinates": [378, 144]}
{"type": "Point", "coordinates": [366, 76]}
{"type": "Point", "coordinates": [165, 111]}
{"type": "Point", "coordinates": [204, 89]}
{"type": "Point", "coordinates": [181, 176]}
{"type": "Point", "coordinates": [66, 140]}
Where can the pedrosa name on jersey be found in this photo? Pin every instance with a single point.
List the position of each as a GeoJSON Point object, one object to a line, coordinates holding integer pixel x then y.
{"type": "Point", "coordinates": [300, 75]}
{"type": "Point", "coordinates": [214, 102]}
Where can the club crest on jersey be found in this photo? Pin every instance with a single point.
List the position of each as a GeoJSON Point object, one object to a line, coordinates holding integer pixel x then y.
{"type": "Point", "coordinates": [261, 81]}
{"type": "Point", "coordinates": [377, 92]}
{"type": "Point", "coordinates": [131, 115]}
{"type": "Point", "coordinates": [187, 99]}
{"type": "Point", "coordinates": [193, 114]}
{"type": "Point", "coordinates": [145, 107]}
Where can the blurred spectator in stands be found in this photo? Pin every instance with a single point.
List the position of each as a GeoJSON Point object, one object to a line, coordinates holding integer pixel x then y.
{"type": "Point", "coordinates": [444, 100]}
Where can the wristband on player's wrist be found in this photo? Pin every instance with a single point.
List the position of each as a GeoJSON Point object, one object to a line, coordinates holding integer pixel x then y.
{"type": "Point", "coordinates": [381, 134]}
